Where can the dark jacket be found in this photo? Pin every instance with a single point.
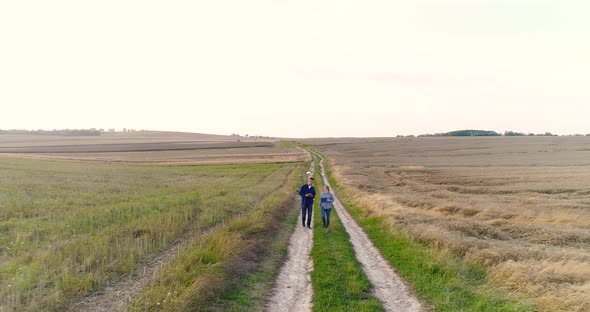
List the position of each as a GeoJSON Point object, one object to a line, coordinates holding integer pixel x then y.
{"type": "Point", "coordinates": [304, 190]}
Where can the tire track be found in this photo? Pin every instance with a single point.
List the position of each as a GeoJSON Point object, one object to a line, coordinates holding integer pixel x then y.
{"type": "Point", "coordinates": [292, 291]}
{"type": "Point", "coordinates": [120, 295]}
{"type": "Point", "coordinates": [388, 286]}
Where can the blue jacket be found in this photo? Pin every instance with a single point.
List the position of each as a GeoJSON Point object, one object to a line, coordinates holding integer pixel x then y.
{"type": "Point", "coordinates": [304, 190]}
{"type": "Point", "coordinates": [327, 200]}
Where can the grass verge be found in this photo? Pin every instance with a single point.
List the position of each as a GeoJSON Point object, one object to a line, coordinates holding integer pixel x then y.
{"type": "Point", "coordinates": [207, 274]}
{"type": "Point", "coordinates": [251, 292]}
{"type": "Point", "coordinates": [442, 280]}
{"type": "Point", "coordinates": [338, 280]}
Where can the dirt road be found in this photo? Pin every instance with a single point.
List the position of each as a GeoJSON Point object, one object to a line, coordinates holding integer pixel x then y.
{"type": "Point", "coordinates": [292, 291]}
{"type": "Point", "coordinates": [388, 286]}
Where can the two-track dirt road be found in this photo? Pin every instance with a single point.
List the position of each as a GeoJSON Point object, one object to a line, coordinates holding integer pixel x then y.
{"type": "Point", "coordinates": [293, 290]}
{"type": "Point", "coordinates": [389, 288]}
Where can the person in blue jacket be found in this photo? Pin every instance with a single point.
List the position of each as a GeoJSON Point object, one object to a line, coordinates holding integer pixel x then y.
{"type": "Point", "coordinates": [326, 204]}
{"type": "Point", "coordinates": [307, 193]}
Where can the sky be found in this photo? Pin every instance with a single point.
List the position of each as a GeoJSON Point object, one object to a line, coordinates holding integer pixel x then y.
{"type": "Point", "coordinates": [296, 68]}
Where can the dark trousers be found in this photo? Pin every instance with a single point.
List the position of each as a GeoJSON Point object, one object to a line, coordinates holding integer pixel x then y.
{"type": "Point", "coordinates": [306, 209]}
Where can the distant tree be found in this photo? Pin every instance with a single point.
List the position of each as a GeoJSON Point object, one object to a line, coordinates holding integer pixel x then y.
{"type": "Point", "coordinates": [472, 133]}
{"type": "Point", "coordinates": [513, 133]}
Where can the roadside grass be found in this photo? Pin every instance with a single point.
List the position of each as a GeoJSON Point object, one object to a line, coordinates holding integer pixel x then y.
{"type": "Point", "coordinates": [441, 279]}
{"type": "Point", "coordinates": [68, 229]}
{"type": "Point", "coordinates": [338, 280]}
{"type": "Point", "coordinates": [250, 293]}
{"type": "Point", "coordinates": [231, 268]}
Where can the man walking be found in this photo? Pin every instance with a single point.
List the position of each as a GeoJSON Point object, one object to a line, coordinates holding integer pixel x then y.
{"type": "Point", "coordinates": [307, 193]}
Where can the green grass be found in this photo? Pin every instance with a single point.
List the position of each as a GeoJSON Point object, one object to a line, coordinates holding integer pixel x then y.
{"type": "Point", "coordinates": [285, 144]}
{"type": "Point", "coordinates": [205, 275]}
{"type": "Point", "coordinates": [338, 281]}
{"type": "Point", "coordinates": [250, 293]}
{"type": "Point", "coordinates": [67, 229]}
{"type": "Point", "coordinates": [442, 280]}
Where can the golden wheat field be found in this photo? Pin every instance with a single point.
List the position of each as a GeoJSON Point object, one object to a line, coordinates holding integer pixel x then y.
{"type": "Point", "coordinates": [520, 207]}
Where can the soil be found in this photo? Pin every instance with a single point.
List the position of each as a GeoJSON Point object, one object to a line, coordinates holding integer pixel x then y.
{"type": "Point", "coordinates": [293, 291]}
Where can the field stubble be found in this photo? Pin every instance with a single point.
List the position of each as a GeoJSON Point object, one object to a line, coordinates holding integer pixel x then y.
{"type": "Point", "coordinates": [159, 148]}
{"type": "Point", "coordinates": [520, 207]}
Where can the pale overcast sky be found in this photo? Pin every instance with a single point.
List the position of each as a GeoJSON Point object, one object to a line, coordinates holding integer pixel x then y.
{"type": "Point", "coordinates": [301, 68]}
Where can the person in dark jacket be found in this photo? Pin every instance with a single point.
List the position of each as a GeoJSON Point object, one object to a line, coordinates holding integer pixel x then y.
{"type": "Point", "coordinates": [307, 193]}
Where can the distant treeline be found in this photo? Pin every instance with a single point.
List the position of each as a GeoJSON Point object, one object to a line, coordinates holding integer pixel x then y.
{"type": "Point", "coordinates": [65, 132]}
{"type": "Point", "coordinates": [461, 133]}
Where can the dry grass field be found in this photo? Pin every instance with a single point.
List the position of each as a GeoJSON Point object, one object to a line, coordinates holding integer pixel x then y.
{"type": "Point", "coordinates": [520, 207]}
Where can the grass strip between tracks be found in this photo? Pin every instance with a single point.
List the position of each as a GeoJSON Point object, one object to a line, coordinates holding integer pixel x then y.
{"type": "Point", "coordinates": [338, 280]}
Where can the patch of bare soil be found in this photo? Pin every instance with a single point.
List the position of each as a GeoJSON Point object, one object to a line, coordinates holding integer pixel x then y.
{"type": "Point", "coordinates": [189, 160]}
{"type": "Point", "coordinates": [293, 291]}
{"type": "Point", "coordinates": [131, 147]}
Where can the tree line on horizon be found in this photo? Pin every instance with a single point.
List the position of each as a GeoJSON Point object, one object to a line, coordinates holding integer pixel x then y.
{"type": "Point", "coordinates": [471, 132]}
{"type": "Point", "coordinates": [98, 132]}
{"type": "Point", "coordinates": [64, 132]}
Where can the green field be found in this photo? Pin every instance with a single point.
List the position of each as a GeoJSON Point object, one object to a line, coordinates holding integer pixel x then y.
{"type": "Point", "coordinates": [69, 229]}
